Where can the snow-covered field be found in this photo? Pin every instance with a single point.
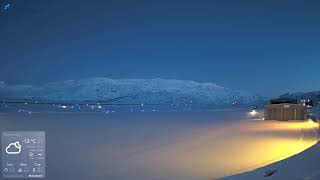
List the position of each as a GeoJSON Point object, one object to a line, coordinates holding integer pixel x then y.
{"type": "Point", "coordinates": [303, 166]}
{"type": "Point", "coordinates": [144, 145]}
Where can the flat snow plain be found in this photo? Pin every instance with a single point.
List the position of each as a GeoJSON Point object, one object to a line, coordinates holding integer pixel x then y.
{"type": "Point", "coordinates": [177, 145]}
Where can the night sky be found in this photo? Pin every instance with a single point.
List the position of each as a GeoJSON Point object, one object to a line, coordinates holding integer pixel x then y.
{"type": "Point", "coordinates": [268, 47]}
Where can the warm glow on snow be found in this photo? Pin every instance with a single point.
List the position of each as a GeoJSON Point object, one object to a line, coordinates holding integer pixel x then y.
{"type": "Point", "coordinates": [228, 150]}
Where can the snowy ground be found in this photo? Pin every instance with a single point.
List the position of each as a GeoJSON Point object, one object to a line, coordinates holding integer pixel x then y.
{"type": "Point", "coordinates": [164, 144]}
{"type": "Point", "coordinates": [303, 166]}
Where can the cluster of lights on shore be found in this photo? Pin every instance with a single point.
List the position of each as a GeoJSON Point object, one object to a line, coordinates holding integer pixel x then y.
{"type": "Point", "coordinates": [89, 106]}
{"type": "Point", "coordinates": [97, 107]}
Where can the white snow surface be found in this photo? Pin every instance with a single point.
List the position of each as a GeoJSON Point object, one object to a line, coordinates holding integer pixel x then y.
{"type": "Point", "coordinates": [303, 166]}
{"type": "Point", "coordinates": [153, 91]}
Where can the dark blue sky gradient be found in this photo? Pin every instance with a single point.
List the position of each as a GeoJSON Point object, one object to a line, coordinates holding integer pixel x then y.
{"type": "Point", "coordinates": [269, 47]}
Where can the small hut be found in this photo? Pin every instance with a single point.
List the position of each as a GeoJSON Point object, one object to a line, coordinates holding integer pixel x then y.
{"type": "Point", "coordinates": [284, 110]}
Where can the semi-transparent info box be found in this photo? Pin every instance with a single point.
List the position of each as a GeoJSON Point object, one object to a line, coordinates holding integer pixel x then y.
{"type": "Point", "coordinates": [23, 154]}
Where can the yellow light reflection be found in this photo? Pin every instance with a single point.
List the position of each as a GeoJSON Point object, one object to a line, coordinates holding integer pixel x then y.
{"type": "Point", "coordinates": [233, 149]}
{"type": "Point", "coordinates": [303, 124]}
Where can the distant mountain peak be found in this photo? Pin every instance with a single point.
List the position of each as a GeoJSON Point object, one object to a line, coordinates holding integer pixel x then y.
{"type": "Point", "coordinates": [152, 91]}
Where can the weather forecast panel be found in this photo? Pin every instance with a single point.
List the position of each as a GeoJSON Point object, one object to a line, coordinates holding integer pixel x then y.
{"type": "Point", "coordinates": [23, 154]}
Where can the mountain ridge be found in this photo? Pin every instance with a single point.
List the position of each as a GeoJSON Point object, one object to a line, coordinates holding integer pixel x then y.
{"type": "Point", "coordinates": [148, 91]}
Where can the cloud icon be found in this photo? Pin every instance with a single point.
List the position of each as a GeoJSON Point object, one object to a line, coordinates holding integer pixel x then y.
{"type": "Point", "coordinates": [13, 148]}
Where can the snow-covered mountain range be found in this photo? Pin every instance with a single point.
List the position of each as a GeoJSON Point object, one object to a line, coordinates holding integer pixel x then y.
{"type": "Point", "coordinates": [133, 91]}
{"type": "Point", "coordinates": [314, 96]}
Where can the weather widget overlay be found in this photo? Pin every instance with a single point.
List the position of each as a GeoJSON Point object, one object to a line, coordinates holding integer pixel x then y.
{"type": "Point", "coordinates": [23, 154]}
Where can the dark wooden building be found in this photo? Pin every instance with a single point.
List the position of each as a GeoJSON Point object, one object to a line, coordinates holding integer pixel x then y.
{"type": "Point", "coordinates": [284, 110]}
